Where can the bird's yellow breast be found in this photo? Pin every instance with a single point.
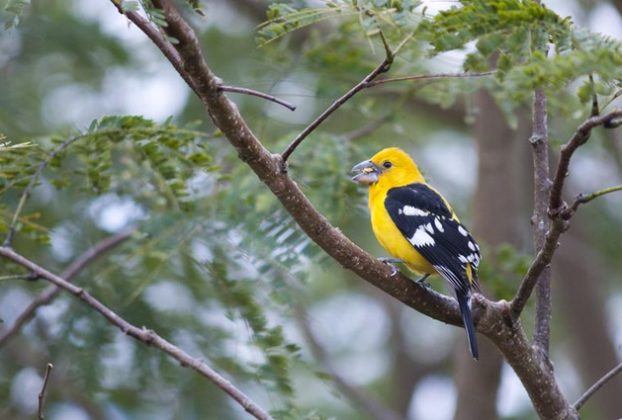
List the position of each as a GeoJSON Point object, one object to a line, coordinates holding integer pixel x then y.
{"type": "Point", "coordinates": [391, 238]}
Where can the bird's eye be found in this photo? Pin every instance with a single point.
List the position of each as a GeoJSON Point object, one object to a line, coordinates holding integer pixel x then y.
{"type": "Point", "coordinates": [387, 164]}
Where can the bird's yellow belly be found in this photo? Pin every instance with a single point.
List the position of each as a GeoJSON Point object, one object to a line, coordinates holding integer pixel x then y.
{"type": "Point", "coordinates": [396, 244]}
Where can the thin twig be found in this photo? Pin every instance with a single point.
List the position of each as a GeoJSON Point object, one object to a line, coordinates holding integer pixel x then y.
{"type": "Point", "coordinates": [557, 210]}
{"type": "Point", "coordinates": [46, 378]}
{"type": "Point", "coordinates": [595, 109]}
{"type": "Point", "coordinates": [579, 138]}
{"type": "Point", "coordinates": [144, 335]}
{"type": "Point", "coordinates": [33, 180]}
{"type": "Point", "coordinates": [366, 129]}
{"type": "Point", "coordinates": [597, 385]}
{"type": "Point", "coordinates": [252, 92]}
{"type": "Point", "coordinates": [586, 198]}
{"type": "Point", "coordinates": [366, 83]}
{"type": "Point", "coordinates": [381, 68]}
{"type": "Point", "coordinates": [429, 77]}
{"type": "Point", "coordinates": [72, 271]}
{"type": "Point", "coordinates": [15, 277]}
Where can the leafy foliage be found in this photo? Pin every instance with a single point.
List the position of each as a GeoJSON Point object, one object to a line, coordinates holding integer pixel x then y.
{"type": "Point", "coordinates": [12, 11]}
{"type": "Point", "coordinates": [371, 15]}
{"type": "Point", "coordinates": [511, 36]}
{"type": "Point", "coordinates": [110, 155]}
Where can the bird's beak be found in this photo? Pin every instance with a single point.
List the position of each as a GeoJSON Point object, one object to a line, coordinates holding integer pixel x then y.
{"type": "Point", "coordinates": [367, 173]}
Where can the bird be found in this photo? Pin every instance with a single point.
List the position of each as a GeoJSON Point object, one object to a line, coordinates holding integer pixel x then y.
{"type": "Point", "coordinates": [416, 225]}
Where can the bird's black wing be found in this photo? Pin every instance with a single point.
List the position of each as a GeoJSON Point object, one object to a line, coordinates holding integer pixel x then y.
{"type": "Point", "coordinates": [427, 222]}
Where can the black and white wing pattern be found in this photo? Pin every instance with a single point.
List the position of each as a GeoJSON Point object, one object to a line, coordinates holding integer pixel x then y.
{"type": "Point", "coordinates": [426, 221]}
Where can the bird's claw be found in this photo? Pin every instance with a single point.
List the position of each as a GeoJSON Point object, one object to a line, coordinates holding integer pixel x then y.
{"type": "Point", "coordinates": [422, 281]}
{"type": "Point", "coordinates": [391, 263]}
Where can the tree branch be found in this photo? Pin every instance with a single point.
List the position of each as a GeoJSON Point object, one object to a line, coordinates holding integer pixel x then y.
{"type": "Point", "coordinates": [252, 92]}
{"type": "Point", "coordinates": [540, 219]}
{"type": "Point", "coordinates": [154, 34]}
{"type": "Point", "coordinates": [580, 137]}
{"type": "Point", "coordinates": [72, 271]}
{"type": "Point", "coordinates": [597, 385]}
{"type": "Point", "coordinates": [557, 210]}
{"type": "Point", "coordinates": [143, 335]}
{"type": "Point", "coordinates": [379, 69]}
{"type": "Point", "coordinates": [429, 77]}
{"type": "Point", "coordinates": [46, 378]}
{"type": "Point", "coordinates": [366, 129]}
{"type": "Point", "coordinates": [586, 198]}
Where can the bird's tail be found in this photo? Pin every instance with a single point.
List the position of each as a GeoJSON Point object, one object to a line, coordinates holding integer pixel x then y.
{"type": "Point", "coordinates": [465, 310]}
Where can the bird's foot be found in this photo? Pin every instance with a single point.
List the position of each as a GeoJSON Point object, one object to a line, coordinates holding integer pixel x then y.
{"type": "Point", "coordinates": [391, 263]}
{"type": "Point", "coordinates": [422, 281]}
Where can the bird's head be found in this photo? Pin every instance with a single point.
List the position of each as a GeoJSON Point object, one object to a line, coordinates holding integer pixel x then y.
{"type": "Point", "coordinates": [391, 167]}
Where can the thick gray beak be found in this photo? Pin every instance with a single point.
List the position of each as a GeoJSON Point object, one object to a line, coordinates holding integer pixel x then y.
{"type": "Point", "coordinates": [367, 172]}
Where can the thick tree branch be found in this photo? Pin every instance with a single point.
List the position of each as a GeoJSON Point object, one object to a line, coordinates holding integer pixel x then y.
{"type": "Point", "coordinates": [540, 219]}
{"type": "Point", "coordinates": [72, 271]}
{"type": "Point", "coordinates": [538, 379]}
{"type": "Point", "coordinates": [173, 57]}
{"type": "Point", "coordinates": [597, 385]}
{"type": "Point", "coordinates": [46, 378]}
{"type": "Point", "coordinates": [159, 40]}
{"type": "Point", "coordinates": [144, 335]}
{"type": "Point", "coordinates": [557, 210]}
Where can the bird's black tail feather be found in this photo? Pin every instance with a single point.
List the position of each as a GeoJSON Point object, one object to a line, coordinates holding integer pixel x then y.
{"type": "Point", "coordinates": [465, 310]}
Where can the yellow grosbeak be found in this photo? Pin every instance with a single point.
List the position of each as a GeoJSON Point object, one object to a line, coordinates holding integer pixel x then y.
{"type": "Point", "coordinates": [417, 226]}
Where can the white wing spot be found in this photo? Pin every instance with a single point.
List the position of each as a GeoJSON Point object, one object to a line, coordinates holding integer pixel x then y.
{"type": "Point", "coordinates": [471, 246]}
{"type": "Point", "coordinates": [462, 231]}
{"type": "Point", "coordinates": [414, 211]}
{"type": "Point", "coordinates": [463, 259]}
{"type": "Point", "coordinates": [438, 224]}
{"type": "Point", "coordinates": [421, 238]}
{"type": "Point", "coordinates": [429, 228]}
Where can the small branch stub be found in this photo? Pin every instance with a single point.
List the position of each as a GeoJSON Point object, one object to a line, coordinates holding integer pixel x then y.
{"type": "Point", "coordinates": [46, 378]}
